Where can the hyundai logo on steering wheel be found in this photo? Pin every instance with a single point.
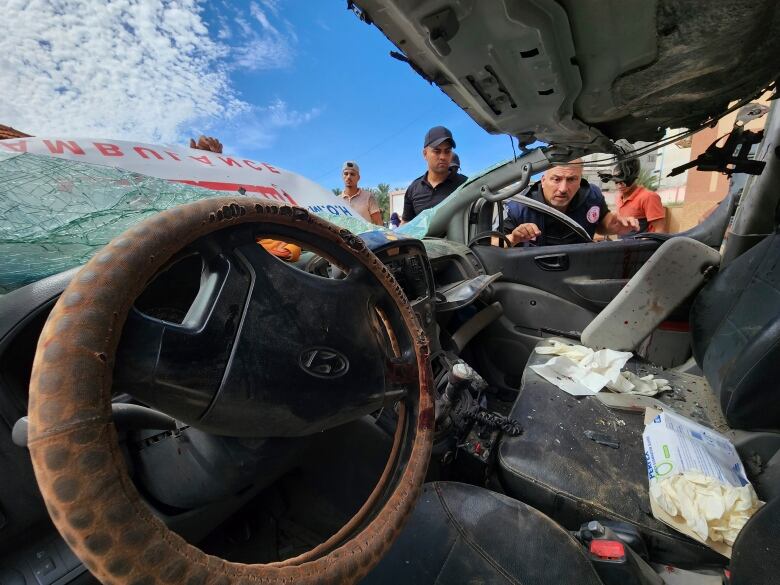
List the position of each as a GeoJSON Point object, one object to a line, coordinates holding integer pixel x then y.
{"type": "Point", "coordinates": [323, 362]}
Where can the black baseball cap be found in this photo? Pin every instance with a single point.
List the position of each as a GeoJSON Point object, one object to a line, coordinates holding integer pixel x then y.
{"type": "Point", "coordinates": [436, 135]}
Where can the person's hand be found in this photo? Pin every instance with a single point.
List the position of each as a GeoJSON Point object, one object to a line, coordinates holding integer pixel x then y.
{"type": "Point", "coordinates": [624, 225]}
{"type": "Point", "coordinates": [207, 143]}
{"type": "Point", "coordinates": [525, 232]}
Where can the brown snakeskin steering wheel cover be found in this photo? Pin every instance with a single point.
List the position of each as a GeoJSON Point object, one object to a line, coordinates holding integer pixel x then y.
{"type": "Point", "coordinates": [73, 443]}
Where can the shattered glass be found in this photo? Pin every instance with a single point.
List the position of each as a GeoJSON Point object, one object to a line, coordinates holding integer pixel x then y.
{"type": "Point", "coordinates": [419, 226]}
{"type": "Point", "coordinates": [57, 213]}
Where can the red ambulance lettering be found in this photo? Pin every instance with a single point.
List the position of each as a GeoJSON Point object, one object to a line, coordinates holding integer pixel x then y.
{"type": "Point", "coordinates": [285, 194]}
{"type": "Point", "coordinates": [229, 162]}
{"type": "Point", "coordinates": [108, 149]}
{"type": "Point", "coordinates": [60, 146]}
{"type": "Point", "coordinates": [20, 146]}
{"type": "Point", "coordinates": [236, 187]}
{"type": "Point", "coordinates": [142, 151]}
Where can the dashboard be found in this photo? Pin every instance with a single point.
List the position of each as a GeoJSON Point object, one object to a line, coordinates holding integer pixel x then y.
{"type": "Point", "coordinates": [431, 272]}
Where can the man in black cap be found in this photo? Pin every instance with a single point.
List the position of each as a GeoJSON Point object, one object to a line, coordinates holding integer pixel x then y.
{"type": "Point", "coordinates": [438, 182]}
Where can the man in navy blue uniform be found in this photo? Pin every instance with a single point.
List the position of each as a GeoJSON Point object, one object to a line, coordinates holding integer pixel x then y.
{"type": "Point", "coordinates": [564, 189]}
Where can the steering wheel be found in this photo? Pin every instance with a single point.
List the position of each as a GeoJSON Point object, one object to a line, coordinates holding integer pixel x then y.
{"type": "Point", "coordinates": [318, 381]}
{"type": "Point", "coordinates": [501, 236]}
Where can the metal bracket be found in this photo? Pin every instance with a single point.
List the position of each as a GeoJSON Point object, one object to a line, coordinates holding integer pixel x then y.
{"type": "Point", "coordinates": [732, 157]}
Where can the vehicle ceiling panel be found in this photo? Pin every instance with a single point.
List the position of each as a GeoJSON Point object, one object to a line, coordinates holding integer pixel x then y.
{"type": "Point", "coordinates": [570, 72]}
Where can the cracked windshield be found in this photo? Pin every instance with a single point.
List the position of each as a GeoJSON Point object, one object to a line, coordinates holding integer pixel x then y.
{"type": "Point", "coordinates": [174, 101]}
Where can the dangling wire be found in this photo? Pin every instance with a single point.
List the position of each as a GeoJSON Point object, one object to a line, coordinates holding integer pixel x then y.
{"type": "Point", "coordinates": [496, 421]}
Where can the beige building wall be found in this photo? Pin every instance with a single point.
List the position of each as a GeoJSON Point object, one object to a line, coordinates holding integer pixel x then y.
{"type": "Point", "coordinates": [672, 189]}
{"type": "Point", "coordinates": [397, 201]}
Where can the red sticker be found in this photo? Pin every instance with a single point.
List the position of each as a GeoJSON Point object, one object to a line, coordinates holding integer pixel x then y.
{"type": "Point", "coordinates": [593, 214]}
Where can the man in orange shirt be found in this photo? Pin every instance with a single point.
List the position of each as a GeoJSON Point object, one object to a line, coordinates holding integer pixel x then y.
{"type": "Point", "coordinates": [634, 200]}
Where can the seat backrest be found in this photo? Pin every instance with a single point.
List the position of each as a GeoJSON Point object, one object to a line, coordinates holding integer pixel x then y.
{"type": "Point", "coordinates": [755, 557]}
{"type": "Point", "coordinates": [735, 331]}
{"type": "Point", "coordinates": [673, 273]}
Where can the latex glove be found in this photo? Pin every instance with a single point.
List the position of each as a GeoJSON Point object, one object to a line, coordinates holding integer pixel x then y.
{"type": "Point", "coordinates": [713, 510]}
{"type": "Point", "coordinates": [630, 383]}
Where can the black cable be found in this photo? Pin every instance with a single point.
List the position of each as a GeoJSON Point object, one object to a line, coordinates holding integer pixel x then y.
{"type": "Point", "coordinates": [607, 162]}
{"type": "Point", "coordinates": [494, 420]}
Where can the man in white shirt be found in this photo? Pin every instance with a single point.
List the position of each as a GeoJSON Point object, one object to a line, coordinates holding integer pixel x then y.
{"type": "Point", "coordinates": [361, 200]}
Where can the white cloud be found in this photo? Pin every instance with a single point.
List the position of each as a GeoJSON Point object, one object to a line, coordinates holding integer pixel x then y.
{"type": "Point", "coordinates": [257, 12]}
{"type": "Point", "coordinates": [259, 126]}
{"type": "Point", "coordinates": [262, 54]}
{"type": "Point", "coordinates": [280, 116]}
{"type": "Point", "coordinates": [224, 32]}
{"type": "Point", "coordinates": [272, 5]}
{"type": "Point", "coordinates": [267, 48]}
{"type": "Point", "coordinates": [137, 69]}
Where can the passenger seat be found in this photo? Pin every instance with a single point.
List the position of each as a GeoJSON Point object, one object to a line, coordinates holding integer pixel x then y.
{"type": "Point", "coordinates": [735, 325]}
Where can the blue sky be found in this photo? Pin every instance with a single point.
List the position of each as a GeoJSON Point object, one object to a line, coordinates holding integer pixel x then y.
{"type": "Point", "coordinates": [303, 84]}
{"type": "Point", "coordinates": [367, 106]}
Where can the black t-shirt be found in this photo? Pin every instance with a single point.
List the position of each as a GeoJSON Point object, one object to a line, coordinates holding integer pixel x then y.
{"type": "Point", "coordinates": [420, 195]}
{"type": "Point", "coordinates": [587, 208]}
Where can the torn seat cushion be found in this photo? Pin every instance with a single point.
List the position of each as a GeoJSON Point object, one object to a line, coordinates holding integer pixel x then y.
{"type": "Point", "coordinates": [460, 533]}
{"type": "Point", "coordinates": [554, 467]}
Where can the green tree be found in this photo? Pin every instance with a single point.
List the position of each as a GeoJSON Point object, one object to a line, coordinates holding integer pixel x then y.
{"type": "Point", "coordinates": [336, 191]}
{"type": "Point", "coordinates": [648, 180]}
{"type": "Point", "coordinates": [382, 194]}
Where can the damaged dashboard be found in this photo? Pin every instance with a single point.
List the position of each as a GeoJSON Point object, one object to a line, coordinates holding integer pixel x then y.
{"type": "Point", "coordinates": [437, 275]}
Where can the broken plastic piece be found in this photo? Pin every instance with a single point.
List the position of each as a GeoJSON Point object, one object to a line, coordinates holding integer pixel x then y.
{"type": "Point", "coordinates": [603, 439]}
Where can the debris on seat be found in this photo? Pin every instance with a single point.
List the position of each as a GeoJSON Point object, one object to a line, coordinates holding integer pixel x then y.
{"type": "Point", "coordinates": [629, 402]}
{"type": "Point", "coordinates": [602, 439]}
{"type": "Point", "coordinates": [581, 371]}
{"type": "Point", "coordinates": [697, 482]}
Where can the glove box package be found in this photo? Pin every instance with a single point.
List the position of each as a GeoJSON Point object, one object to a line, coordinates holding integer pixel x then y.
{"type": "Point", "coordinates": [697, 482]}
